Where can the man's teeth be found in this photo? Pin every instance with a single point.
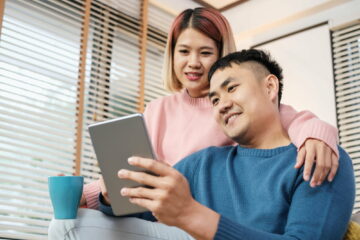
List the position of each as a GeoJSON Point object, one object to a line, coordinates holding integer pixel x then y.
{"type": "Point", "coordinates": [232, 117]}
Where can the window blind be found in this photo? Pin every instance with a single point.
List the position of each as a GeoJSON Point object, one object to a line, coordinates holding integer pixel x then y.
{"type": "Point", "coordinates": [112, 72]}
{"type": "Point", "coordinates": [346, 58]}
{"type": "Point", "coordinates": [41, 49]}
{"type": "Point", "coordinates": [159, 24]}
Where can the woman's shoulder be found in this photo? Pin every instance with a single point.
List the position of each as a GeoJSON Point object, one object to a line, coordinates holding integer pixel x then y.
{"type": "Point", "coordinates": [165, 100]}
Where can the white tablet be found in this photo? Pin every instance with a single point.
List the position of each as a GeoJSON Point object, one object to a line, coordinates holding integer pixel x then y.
{"type": "Point", "coordinates": [114, 141]}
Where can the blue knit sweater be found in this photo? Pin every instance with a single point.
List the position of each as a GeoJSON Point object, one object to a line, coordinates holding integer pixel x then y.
{"type": "Point", "coordinates": [260, 196]}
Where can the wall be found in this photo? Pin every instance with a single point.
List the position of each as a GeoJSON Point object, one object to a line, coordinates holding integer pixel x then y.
{"type": "Point", "coordinates": [257, 21]}
{"type": "Point", "coordinates": [306, 56]}
{"type": "Point", "coordinates": [307, 70]}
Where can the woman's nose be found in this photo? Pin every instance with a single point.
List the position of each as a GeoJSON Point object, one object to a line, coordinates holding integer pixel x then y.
{"type": "Point", "coordinates": [194, 61]}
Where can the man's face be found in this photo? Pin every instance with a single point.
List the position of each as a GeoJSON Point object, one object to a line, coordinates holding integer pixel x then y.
{"type": "Point", "coordinates": [240, 101]}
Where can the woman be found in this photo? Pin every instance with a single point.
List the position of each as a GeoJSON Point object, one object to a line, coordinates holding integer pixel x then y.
{"type": "Point", "coordinates": [182, 123]}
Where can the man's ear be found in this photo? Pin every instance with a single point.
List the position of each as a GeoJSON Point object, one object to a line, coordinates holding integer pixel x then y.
{"type": "Point", "coordinates": [272, 87]}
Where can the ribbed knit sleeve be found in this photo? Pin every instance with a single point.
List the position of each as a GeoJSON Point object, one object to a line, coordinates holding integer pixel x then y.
{"type": "Point", "coordinates": [230, 230]}
{"type": "Point", "coordinates": [303, 125]}
{"type": "Point", "coordinates": [227, 230]}
{"type": "Point", "coordinates": [91, 193]}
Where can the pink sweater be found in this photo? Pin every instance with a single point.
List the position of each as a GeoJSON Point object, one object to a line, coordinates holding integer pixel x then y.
{"type": "Point", "coordinates": [179, 125]}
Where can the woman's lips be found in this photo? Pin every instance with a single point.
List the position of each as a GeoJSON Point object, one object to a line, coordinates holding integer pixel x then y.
{"type": "Point", "coordinates": [193, 76]}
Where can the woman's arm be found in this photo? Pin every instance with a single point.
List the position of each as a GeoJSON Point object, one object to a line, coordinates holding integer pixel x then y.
{"type": "Point", "coordinates": [316, 141]}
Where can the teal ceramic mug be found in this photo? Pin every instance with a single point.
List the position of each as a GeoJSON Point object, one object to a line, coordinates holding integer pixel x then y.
{"type": "Point", "coordinates": [65, 194]}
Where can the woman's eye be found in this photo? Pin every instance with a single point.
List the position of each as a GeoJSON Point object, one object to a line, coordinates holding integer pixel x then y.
{"type": "Point", "coordinates": [206, 53]}
{"type": "Point", "coordinates": [183, 51]}
{"type": "Point", "coordinates": [214, 101]}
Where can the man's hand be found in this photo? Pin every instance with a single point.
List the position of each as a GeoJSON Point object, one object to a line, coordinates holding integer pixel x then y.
{"type": "Point", "coordinates": [326, 160]}
{"type": "Point", "coordinates": [169, 199]}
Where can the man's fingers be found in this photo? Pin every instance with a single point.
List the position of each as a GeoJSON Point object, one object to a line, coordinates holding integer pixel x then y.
{"type": "Point", "coordinates": [300, 157]}
{"type": "Point", "coordinates": [334, 166]}
{"type": "Point", "coordinates": [143, 202]}
{"type": "Point", "coordinates": [140, 192]}
{"type": "Point", "coordinates": [156, 167]}
{"type": "Point", "coordinates": [140, 177]}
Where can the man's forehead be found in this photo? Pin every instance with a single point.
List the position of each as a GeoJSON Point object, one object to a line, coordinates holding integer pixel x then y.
{"type": "Point", "coordinates": [218, 77]}
{"type": "Point", "coordinates": [224, 76]}
{"type": "Point", "coordinates": [236, 69]}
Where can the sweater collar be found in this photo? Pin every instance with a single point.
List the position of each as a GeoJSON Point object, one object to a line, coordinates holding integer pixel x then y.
{"type": "Point", "coordinates": [199, 102]}
{"type": "Point", "coordinates": [263, 152]}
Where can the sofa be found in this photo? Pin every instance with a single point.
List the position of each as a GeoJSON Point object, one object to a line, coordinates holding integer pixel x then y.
{"type": "Point", "coordinates": [353, 232]}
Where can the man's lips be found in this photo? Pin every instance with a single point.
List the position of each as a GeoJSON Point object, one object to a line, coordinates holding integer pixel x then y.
{"type": "Point", "coordinates": [229, 118]}
{"type": "Point", "coordinates": [193, 76]}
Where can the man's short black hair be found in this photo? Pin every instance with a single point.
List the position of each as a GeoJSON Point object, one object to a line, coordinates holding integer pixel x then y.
{"type": "Point", "coordinates": [251, 55]}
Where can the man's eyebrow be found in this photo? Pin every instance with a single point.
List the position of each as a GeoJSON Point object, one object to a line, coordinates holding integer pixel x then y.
{"type": "Point", "coordinates": [226, 82]}
{"type": "Point", "coordinates": [211, 94]}
{"type": "Point", "coordinates": [223, 85]}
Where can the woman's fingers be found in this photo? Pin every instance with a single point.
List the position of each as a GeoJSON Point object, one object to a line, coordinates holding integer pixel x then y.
{"type": "Point", "coordinates": [300, 157]}
{"type": "Point", "coordinates": [334, 166]}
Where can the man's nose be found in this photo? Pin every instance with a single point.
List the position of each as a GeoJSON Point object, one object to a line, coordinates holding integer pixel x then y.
{"type": "Point", "coordinates": [225, 105]}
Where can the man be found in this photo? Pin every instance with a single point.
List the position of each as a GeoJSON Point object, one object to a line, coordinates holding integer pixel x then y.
{"type": "Point", "coordinates": [248, 191]}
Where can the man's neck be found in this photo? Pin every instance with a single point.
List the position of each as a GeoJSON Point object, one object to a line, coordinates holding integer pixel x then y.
{"type": "Point", "coordinates": [273, 135]}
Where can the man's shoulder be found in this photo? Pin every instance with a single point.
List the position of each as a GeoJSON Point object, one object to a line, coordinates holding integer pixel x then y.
{"type": "Point", "coordinates": [344, 158]}
{"type": "Point", "coordinates": [342, 152]}
{"type": "Point", "coordinates": [205, 155]}
{"type": "Point", "coordinates": [212, 151]}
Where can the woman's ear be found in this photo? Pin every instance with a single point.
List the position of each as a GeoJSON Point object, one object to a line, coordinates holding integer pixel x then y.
{"type": "Point", "coordinates": [272, 87]}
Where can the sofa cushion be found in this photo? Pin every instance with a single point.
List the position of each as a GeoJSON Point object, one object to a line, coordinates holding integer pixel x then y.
{"type": "Point", "coordinates": [353, 231]}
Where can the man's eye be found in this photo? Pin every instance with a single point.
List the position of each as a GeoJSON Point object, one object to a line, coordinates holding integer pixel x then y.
{"type": "Point", "coordinates": [232, 88]}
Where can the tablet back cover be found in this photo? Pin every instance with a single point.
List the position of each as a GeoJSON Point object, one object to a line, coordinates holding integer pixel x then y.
{"type": "Point", "coordinates": [114, 141]}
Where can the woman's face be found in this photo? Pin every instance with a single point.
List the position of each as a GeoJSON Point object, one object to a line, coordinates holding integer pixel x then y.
{"type": "Point", "coordinates": [194, 54]}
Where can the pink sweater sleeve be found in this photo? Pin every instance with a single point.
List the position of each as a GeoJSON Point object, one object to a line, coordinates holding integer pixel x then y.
{"type": "Point", "coordinates": [91, 193]}
{"type": "Point", "coordinates": [303, 125]}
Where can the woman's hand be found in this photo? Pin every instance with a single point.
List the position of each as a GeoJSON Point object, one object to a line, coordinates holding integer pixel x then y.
{"type": "Point", "coordinates": [104, 191]}
{"type": "Point", "coordinates": [316, 151]}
